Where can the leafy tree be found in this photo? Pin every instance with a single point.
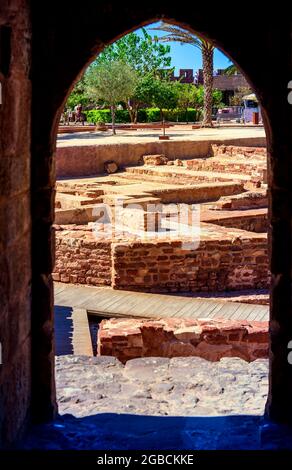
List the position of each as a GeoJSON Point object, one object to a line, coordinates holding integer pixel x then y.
{"type": "Point", "coordinates": [216, 96]}
{"type": "Point", "coordinates": [143, 54]}
{"type": "Point", "coordinates": [158, 92]}
{"type": "Point", "coordinates": [140, 52]}
{"type": "Point", "coordinates": [187, 96]}
{"type": "Point", "coordinates": [78, 95]}
{"type": "Point", "coordinates": [154, 91]}
{"type": "Point", "coordinates": [178, 34]}
{"type": "Point", "coordinates": [165, 95]}
{"type": "Point", "coordinates": [112, 82]}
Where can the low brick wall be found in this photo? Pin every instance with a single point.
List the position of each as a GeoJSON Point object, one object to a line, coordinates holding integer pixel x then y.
{"type": "Point", "coordinates": [232, 261]}
{"type": "Point", "coordinates": [85, 160]}
{"type": "Point", "coordinates": [210, 339]}
{"type": "Point", "coordinates": [81, 259]}
{"type": "Point", "coordinates": [222, 264]}
{"type": "Point", "coordinates": [234, 150]}
{"type": "Point", "coordinates": [256, 170]}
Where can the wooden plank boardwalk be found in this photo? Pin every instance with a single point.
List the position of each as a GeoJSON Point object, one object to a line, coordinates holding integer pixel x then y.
{"type": "Point", "coordinates": [72, 334]}
{"type": "Point", "coordinates": [106, 302]}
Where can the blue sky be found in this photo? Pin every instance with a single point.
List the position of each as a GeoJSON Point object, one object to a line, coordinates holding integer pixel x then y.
{"type": "Point", "coordinates": [189, 57]}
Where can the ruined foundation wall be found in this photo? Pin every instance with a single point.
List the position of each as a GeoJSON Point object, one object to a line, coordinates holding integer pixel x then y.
{"type": "Point", "coordinates": [89, 160]}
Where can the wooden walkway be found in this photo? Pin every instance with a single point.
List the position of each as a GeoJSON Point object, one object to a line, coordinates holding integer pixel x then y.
{"type": "Point", "coordinates": [105, 302]}
{"type": "Point", "coordinates": [72, 334]}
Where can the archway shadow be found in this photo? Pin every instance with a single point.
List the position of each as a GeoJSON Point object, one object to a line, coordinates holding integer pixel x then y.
{"type": "Point", "coordinates": [111, 431]}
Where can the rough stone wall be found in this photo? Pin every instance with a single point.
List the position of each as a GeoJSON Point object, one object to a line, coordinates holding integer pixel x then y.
{"type": "Point", "coordinates": [173, 337]}
{"type": "Point", "coordinates": [80, 259]}
{"type": "Point", "coordinates": [15, 233]}
{"type": "Point", "coordinates": [225, 264]}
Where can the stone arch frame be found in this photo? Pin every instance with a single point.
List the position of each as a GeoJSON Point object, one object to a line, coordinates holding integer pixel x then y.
{"type": "Point", "coordinates": [56, 63]}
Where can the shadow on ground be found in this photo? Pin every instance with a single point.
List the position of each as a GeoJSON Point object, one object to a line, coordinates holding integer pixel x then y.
{"type": "Point", "coordinates": [107, 431]}
{"type": "Point", "coordinates": [93, 135]}
{"type": "Point", "coordinates": [63, 330]}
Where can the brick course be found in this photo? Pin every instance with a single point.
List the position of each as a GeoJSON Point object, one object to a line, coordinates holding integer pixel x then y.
{"type": "Point", "coordinates": [217, 265]}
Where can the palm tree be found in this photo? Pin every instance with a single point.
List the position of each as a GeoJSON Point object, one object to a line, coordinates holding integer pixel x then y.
{"type": "Point", "coordinates": [177, 34]}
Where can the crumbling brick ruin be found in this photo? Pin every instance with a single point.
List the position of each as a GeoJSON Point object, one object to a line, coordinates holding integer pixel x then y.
{"type": "Point", "coordinates": [232, 250]}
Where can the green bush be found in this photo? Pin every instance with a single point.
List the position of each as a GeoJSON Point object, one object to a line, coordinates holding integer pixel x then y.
{"type": "Point", "coordinates": [98, 115]}
{"type": "Point", "coordinates": [144, 115]}
{"type": "Point", "coordinates": [173, 115]}
{"type": "Point", "coordinates": [104, 115]}
{"type": "Point", "coordinates": [181, 115]}
{"type": "Point", "coordinates": [153, 115]}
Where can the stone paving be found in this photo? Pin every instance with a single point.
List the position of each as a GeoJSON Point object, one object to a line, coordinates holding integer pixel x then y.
{"type": "Point", "coordinates": [156, 403]}
{"type": "Point", "coordinates": [160, 386]}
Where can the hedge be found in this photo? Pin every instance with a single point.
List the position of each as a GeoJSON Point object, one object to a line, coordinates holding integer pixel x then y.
{"type": "Point", "coordinates": [104, 115]}
{"type": "Point", "coordinates": [144, 115]}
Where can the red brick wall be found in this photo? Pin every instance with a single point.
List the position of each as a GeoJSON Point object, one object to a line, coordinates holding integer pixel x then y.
{"type": "Point", "coordinates": [216, 265]}
{"type": "Point", "coordinates": [81, 259]}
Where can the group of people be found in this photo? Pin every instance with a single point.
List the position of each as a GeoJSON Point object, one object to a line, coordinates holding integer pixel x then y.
{"type": "Point", "coordinates": [75, 116]}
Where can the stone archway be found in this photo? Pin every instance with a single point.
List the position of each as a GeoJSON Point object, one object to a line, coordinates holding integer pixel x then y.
{"type": "Point", "coordinates": [56, 59]}
{"type": "Point", "coordinates": [111, 22]}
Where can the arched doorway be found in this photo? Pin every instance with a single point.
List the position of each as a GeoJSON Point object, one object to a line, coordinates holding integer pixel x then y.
{"type": "Point", "coordinates": [52, 77]}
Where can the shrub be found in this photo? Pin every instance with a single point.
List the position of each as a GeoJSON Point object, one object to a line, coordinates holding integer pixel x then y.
{"type": "Point", "coordinates": [144, 115]}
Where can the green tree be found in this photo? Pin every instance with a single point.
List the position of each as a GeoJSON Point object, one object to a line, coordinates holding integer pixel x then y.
{"type": "Point", "coordinates": [112, 82]}
{"type": "Point", "coordinates": [216, 96]}
{"type": "Point", "coordinates": [143, 54]}
{"type": "Point", "coordinates": [78, 95]}
{"type": "Point", "coordinates": [163, 94]}
{"type": "Point", "coordinates": [158, 92]}
{"type": "Point", "coordinates": [178, 34]}
{"type": "Point", "coordinates": [187, 96]}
